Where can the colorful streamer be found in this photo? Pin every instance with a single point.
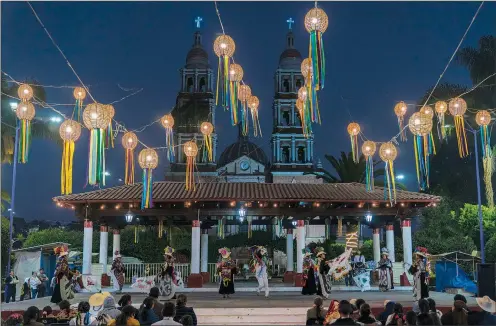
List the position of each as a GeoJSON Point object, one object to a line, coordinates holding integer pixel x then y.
{"type": "Point", "coordinates": [24, 141]}
{"type": "Point", "coordinates": [129, 172]}
{"type": "Point", "coordinates": [256, 123]}
{"type": "Point", "coordinates": [316, 50]}
{"type": "Point", "coordinates": [389, 180]}
{"type": "Point", "coordinates": [220, 229]}
{"type": "Point", "coordinates": [96, 162]}
{"type": "Point", "coordinates": [146, 197]}
{"type": "Point", "coordinates": [66, 170]}
{"type": "Point", "coordinates": [461, 136]}
{"type": "Point", "coordinates": [234, 85]}
{"type": "Point", "coordinates": [369, 173]}
{"type": "Point", "coordinates": [169, 143]}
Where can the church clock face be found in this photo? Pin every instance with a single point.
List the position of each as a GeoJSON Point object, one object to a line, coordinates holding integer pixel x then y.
{"type": "Point", "coordinates": [244, 165]}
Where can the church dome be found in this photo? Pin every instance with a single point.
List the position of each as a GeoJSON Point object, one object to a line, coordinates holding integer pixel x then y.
{"type": "Point", "coordinates": [197, 57]}
{"type": "Point", "coordinates": [243, 147]}
{"type": "Point", "coordinates": [290, 58]}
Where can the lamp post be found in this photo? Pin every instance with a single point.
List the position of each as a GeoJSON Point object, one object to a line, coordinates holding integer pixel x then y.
{"type": "Point", "coordinates": [479, 205]}
{"type": "Point", "coordinates": [12, 193]}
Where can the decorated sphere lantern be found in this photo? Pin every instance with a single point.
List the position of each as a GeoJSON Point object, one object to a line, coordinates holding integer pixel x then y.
{"type": "Point", "coordinates": [95, 116]}
{"type": "Point", "coordinates": [307, 68]}
{"type": "Point", "coordinates": [244, 93]}
{"type": "Point", "coordinates": [400, 110]}
{"type": "Point", "coordinates": [129, 142]}
{"type": "Point", "coordinates": [79, 94]}
{"type": "Point", "coordinates": [206, 128]}
{"type": "Point", "coordinates": [316, 22]}
{"type": "Point", "coordinates": [420, 124]}
{"type": "Point", "coordinates": [457, 107]}
{"type": "Point", "coordinates": [168, 123]}
{"type": "Point", "coordinates": [69, 131]}
{"type": "Point", "coordinates": [148, 160]}
{"type": "Point", "coordinates": [368, 149]}
{"type": "Point", "coordinates": [190, 150]}
{"type": "Point", "coordinates": [303, 93]}
{"type": "Point", "coordinates": [483, 119]}
{"type": "Point", "coordinates": [388, 153]}
{"type": "Point", "coordinates": [224, 48]}
{"type": "Point", "coordinates": [109, 139]}
{"type": "Point", "coordinates": [25, 112]}
{"type": "Point", "coordinates": [235, 72]}
{"type": "Point", "coordinates": [427, 110]}
{"type": "Point", "coordinates": [354, 130]}
{"type": "Point", "coordinates": [441, 107]}
{"type": "Point", "coordinates": [311, 108]}
{"type": "Point", "coordinates": [253, 104]}
{"type": "Point", "coordinates": [25, 92]}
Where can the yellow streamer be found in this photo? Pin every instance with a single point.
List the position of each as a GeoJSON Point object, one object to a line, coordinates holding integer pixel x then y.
{"type": "Point", "coordinates": [190, 169]}
{"type": "Point", "coordinates": [66, 169]}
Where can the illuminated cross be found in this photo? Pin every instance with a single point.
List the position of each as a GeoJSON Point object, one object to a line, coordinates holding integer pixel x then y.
{"type": "Point", "coordinates": [198, 20]}
{"type": "Point", "coordinates": [290, 21]}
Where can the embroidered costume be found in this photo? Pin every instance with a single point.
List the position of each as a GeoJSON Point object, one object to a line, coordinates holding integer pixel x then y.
{"type": "Point", "coordinates": [63, 288]}
{"type": "Point", "coordinates": [324, 284]}
{"type": "Point", "coordinates": [420, 270]}
{"type": "Point", "coordinates": [309, 274]}
{"type": "Point", "coordinates": [385, 271]}
{"type": "Point", "coordinates": [117, 272]}
{"type": "Point", "coordinates": [226, 269]}
{"type": "Point", "coordinates": [260, 264]}
{"type": "Point", "coordinates": [168, 279]}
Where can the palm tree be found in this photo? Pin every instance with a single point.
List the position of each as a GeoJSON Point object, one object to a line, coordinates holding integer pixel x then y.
{"type": "Point", "coordinates": [39, 129]}
{"type": "Point", "coordinates": [5, 198]}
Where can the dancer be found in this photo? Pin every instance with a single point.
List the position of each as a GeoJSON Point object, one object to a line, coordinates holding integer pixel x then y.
{"type": "Point", "coordinates": [324, 284]}
{"type": "Point", "coordinates": [260, 263]}
{"type": "Point", "coordinates": [167, 279]}
{"type": "Point", "coordinates": [385, 271]}
{"type": "Point", "coordinates": [309, 277]}
{"type": "Point", "coordinates": [226, 268]}
{"type": "Point", "coordinates": [63, 288]}
{"type": "Point", "coordinates": [420, 271]}
{"type": "Point", "coordinates": [117, 272]}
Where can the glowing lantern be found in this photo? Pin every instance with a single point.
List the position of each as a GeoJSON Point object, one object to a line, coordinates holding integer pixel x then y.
{"type": "Point", "coordinates": [253, 104]}
{"type": "Point", "coordinates": [368, 150]}
{"type": "Point", "coordinates": [168, 123]}
{"type": "Point", "coordinates": [483, 119]}
{"type": "Point", "coordinates": [420, 125]}
{"type": "Point", "coordinates": [306, 123]}
{"type": "Point", "coordinates": [129, 142]}
{"type": "Point", "coordinates": [25, 113]}
{"type": "Point", "coordinates": [69, 131]}
{"type": "Point", "coordinates": [427, 110]}
{"type": "Point", "coordinates": [388, 153]}
{"type": "Point", "coordinates": [244, 93]}
{"type": "Point", "coordinates": [441, 107]}
{"type": "Point", "coordinates": [148, 160]}
{"type": "Point", "coordinates": [96, 120]}
{"type": "Point", "coordinates": [224, 48]}
{"type": "Point", "coordinates": [79, 94]}
{"type": "Point", "coordinates": [353, 131]}
{"type": "Point", "coordinates": [400, 110]}
{"type": "Point", "coordinates": [316, 23]}
{"type": "Point", "coordinates": [190, 150]}
{"type": "Point", "coordinates": [109, 139]}
{"type": "Point", "coordinates": [311, 104]}
{"type": "Point", "coordinates": [25, 92]}
{"type": "Point", "coordinates": [457, 108]}
{"type": "Point", "coordinates": [206, 129]}
{"type": "Point", "coordinates": [302, 93]}
{"type": "Point", "coordinates": [235, 77]}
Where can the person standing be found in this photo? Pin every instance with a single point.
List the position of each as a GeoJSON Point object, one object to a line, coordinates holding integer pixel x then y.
{"type": "Point", "coordinates": [44, 282]}
{"type": "Point", "coordinates": [117, 272]}
{"type": "Point", "coordinates": [34, 281]}
{"type": "Point", "coordinates": [324, 285]}
{"type": "Point", "coordinates": [167, 278]}
{"type": "Point", "coordinates": [420, 271]}
{"type": "Point", "coordinates": [309, 277]}
{"type": "Point", "coordinates": [260, 263]}
{"type": "Point", "coordinates": [226, 268]}
{"type": "Point", "coordinates": [63, 287]}
{"type": "Point", "coordinates": [11, 282]}
{"type": "Point", "coordinates": [385, 271]}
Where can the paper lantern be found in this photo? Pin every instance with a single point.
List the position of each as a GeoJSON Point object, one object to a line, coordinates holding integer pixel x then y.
{"type": "Point", "coordinates": [302, 93]}
{"type": "Point", "coordinates": [244, 93]}
{"type": "Point", "coordinates": [235, 78]}
{"type": "Point", "coordinates": [400, 110]}
{"type": "Point", "coordinates": [253, 104]}
{"type": "Point", "coordinates": [483, 119]}
{"type": "Point", "coordinates": [95, 118]}
{"type": "Point", "coordinates": [168, 123]}
{"type": "Point", "coordinates": [388, 153]}
{"type": "Point", "coordinates": [148, 160]}
{"type": "Point", "coordinates": [129, 142]}
{"type": "Point", "coordinates": [206, 128]}
{"type": "Point", "coordinates": [441, 107]}
{"type": "Point", "coordinates": [235, 72]}
{"type": "Point", "coordinates": [25, 112]}
{"type": "Point", "coordinates": [353, 131]}
{"type": "Point", "coordinates": [307, 68]}
{"type": "Point", "coordinates": [25, 92]}
{"type": "Point", "coordinates": [457, 108]}
{"type": "Point", "coordinates": [306, 124]}
{"type": "Point", "coordinates": [420, 125]}
{"type": "Point", "coordinates": [368, 149]}
{"type": "Point", "coordinates": [316, 22]}
{"type": "Point", "coordinates": [190, 150]}
{"type": "Point", "coordinates": [69, 131]}
{"type": "Point", "coordinates": [427, 110]}
{"type": "Point", "coordinates": [224, 48]}
{"type": "Point", "coordinates": [311, 110]}
{"type": "Point", "coordinates": [79, 94]}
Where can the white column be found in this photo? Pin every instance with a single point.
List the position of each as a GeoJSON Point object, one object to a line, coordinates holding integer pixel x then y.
{"type": "Point", "coordinates": [289, 250]}
{"type": "Point", "coordinates": [300, 245]}
{"type": "Point", "coordinates": [195, 247]}
{"type": "Point", "coordinates": [204, 251]}
{"type": "Point", "coordinates": [376, 241]}
{"type": "Point", "coordinates": [406, 229]}
{"type": "Point", "coordinates": [87, 247]}
{"type": "Point", "coordinates": [116, 244]}
{"type": "Point", "coordinates": [390, 241]}
{"type": "Point", "coordinates": [103, 247]}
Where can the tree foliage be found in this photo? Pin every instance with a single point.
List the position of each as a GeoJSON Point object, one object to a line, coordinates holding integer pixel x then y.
{"type": "Point", "coordinates": [468, 220]}
{"type": "Point", "coordinates": [490, 249]}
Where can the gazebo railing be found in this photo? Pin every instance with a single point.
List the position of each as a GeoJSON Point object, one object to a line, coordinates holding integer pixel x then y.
{"type": "Point", "coordinates": [138, 270]}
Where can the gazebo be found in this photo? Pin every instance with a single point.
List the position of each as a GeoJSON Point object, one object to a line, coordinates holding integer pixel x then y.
{"type": "Point", "coordinates": [295, 204]}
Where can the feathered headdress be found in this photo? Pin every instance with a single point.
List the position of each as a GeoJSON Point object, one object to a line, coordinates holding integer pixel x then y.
{"type": "Point", "coordinates": [385, 251]}
{"type": "Point", "coordinates": [306, 252]}
{"type": "Point", "coordinates": [319, 251]}
{"type": "Point", "coordinates": [421, 251]}
{"type": "Point", "coordinates": [61, 251]}
{"type": "Point", "coordinates": [254, 249]}
{"type": "Point", "coordinates": [225, 252]}
{"type": "Point", "coordinates": [168, 251]}
{"type": "Point", "coordinates": [117, 254]}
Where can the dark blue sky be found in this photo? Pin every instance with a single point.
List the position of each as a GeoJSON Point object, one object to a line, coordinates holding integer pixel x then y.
{"type": "Point", "coordinates": [377, 53]}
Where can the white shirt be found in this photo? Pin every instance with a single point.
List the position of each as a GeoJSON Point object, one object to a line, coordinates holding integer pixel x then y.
{"type": "Point", "coordinates": [34, 281]}
{"type": "Point", "coordinates": [359, 259]}
{"type": "Point", "coordinates": [167, 321]}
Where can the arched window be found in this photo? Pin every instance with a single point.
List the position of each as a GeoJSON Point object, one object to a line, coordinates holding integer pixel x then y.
{"type": "Point", "coordinates": [285, 154]}
{"type": "Point", "coordinates": [301, 154]}
{"type": "Point", "coordinates": [298, 84]}
{"type": "Point", "coordinates": [189, 85]}
{"type": "Point", "coordinates": [285, 86]}
{"type": "Point", "coordinates": [203, 85]}
{"type": "Point", "coordinates": [298, 119]}
{"type": "Point", "coordinates": [285, 118]}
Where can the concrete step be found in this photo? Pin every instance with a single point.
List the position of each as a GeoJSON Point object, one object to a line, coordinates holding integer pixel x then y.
{"type": "Point", "coordinates": [251, 316]}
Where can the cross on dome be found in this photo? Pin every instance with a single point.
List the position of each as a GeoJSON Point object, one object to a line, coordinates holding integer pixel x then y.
{"type": "Point", "coordinates": [198, 21]}
{"type": "Point", "coordinates": [290, 22]}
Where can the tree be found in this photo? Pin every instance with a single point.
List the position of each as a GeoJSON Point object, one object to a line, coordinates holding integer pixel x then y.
{"type": "Point", "coordinates": [346, 169]}
{"type": "Point", "coordinates": [490, 249]}
{"type": "Point", "coordinates": [468, 220]}
{"type": "Point", "coordinates": [51, 235]}
{"type": "Point", "coordinates": [39, 129]}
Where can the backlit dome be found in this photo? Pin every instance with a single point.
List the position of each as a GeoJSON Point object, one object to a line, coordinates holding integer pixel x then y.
{"type": "Point", "coordinates": [197, 57]}
{"type": "Point", "coordinates": [290, 58]}
{"type": "Point", "coordinates": [243, 147]}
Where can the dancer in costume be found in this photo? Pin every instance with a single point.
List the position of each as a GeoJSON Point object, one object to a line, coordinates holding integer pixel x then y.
{"type": "Point", "coordinates": [226, 268]}
{"type": "Point", "coordinates": [385, 271]}
{"type": "Point", "coordinates": [167, 280]}
{"type": "Point", "coordinates": [420, 271]}
{"type": "Point", "coordinates": [309, 277]}
{"type": "Point", "coordinates": [63, 288]}
{"type": "Point", "coordinates": [117, 272]}
{"type": "Point", "coordinates": [260, 264]}
{"type": "Point", "coordinates": [324, 285]}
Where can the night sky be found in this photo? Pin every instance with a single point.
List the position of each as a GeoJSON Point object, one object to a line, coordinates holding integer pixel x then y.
{"type": "Point", "coordinates": [376, 54]}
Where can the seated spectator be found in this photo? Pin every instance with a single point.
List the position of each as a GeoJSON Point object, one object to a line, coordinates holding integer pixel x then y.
{"type": "Point", "coordinates": [14, 320]}
{"type": "Point", "coordinates": [397, 317]}
{"type": "Point", "coordinates": [65, 313]}
{"type": "Point", "coordinates": [388, 310]}
{"type": "Point", "coordinates": [424, 319]}
{"type": "Point", "coordinates": [316, 314]}
{"type": "Point", "coordinates": [154, 293]}
{"type": "Point", "coordinates": [345, 311]}
{"type": "Point", "coordinates": [83, 316]}
{"type": "Point", "coordinates": [365, 315]}
{"type": "Point", "coordinates": [411, 318]}
{"type": "Point", "coordinates": [25, 290]}
{"type": "Point", "coordinates": [356, 311]}
{"type": "Point", "coordinates": [126, 317]}
{"type": "Point", "coordinates": [332, 313]}
{"type": "Point", "coordinates": [47, 316]}
{"type": "Point", "coordinates": [146, 314]}
{"type": "Point", "coordinates": [458, 314]}
{"type": "Point", "coordinates": [359, 303]}
{"type": "Point", "coordinates": [432, 308]}
{"type": "Point", "coordinates": [186, 320]}
{"type": "Point", "coordinates": [487, 315]}
{"type": "Point", "coordinates": [168, 312]}
{"type": "Point", "coordinates": [109, 308]}
{"type": "Point", "coordinates": [182, 309]}
{"type": "Point", "coordinates": [31, 317]}
{"type": "Point", "coordinates": [425, 311]}
{"type": "Point", "coordinates": [124, 301]}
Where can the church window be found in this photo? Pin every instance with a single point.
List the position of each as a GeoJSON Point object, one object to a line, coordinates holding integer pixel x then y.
{"type": "Point", "coordinates": [298, 83]}
{"type": "Point", "coordinates": [189, 85]}
{"type": "Point", "coordinates": [301, 154]}
{"type": "Point", "coordinates": [285, 85]}
{"type": "Point", "coordinates": [203, 85]}
{"type": "Point", "coordinates": [285, 118]}
{"type": "Point", "coordinates": [285, 154]}
{"type": "Point", "coordinates": [298, 119]}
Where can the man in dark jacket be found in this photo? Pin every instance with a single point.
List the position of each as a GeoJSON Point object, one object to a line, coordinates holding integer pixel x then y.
{"type": "Point", "coordinates": [11, 283]}
{"type": "Point", "coordinates": [182, 310]}
{"type": "Point", "coordinates": [157, 308]}
{"type": "Point", "coordinates": [345, 311]}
